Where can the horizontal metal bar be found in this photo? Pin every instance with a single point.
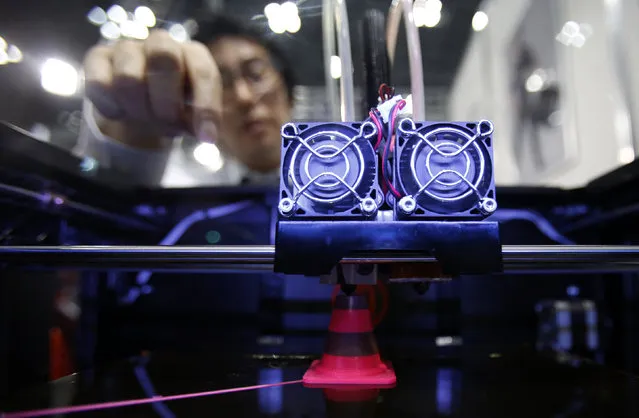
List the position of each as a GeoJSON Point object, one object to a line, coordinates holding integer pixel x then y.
{"type": "Point", "coordinates": [516, 259]}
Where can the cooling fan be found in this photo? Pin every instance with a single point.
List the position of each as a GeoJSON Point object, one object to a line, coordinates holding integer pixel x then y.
{"type": "Point", "coordinates": [329, 170]}
{"type": "Point", "coordinates": [444, 170]}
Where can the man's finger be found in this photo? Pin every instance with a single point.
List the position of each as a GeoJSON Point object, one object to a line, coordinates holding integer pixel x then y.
{"type": "Point", "coordinates": [204, 78]}
{"type": "Point", "coordinates": [165, 76]}
{"type": "Point", "coordinates": [129, 70]}
{"type": "Point", "coordinates": [98, 81]}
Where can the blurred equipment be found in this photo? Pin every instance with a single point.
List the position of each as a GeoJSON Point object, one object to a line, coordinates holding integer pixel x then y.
{"type": "Point", "coordinates": [556, 77]}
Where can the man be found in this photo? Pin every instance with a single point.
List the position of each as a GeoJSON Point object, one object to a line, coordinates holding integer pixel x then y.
{"type": "Point", "coordinates": [229, 86]}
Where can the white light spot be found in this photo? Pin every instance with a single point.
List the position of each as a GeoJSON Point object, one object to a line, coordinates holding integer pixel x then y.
{"type": "Point", "coordinates": [570, 28]}
{"type": "Point", "coordinates": [534, 83]}
{"type": "Point", "coordinates": [14, 54]}
{"type": "Point", "coordinates": [432, 19]}
{"type": "Point", "coordinates": [278, 24]}
{"type": "Point", "coordinates": [117, 14]}
{"type": "Point", "coordinates": [480, 21]}
{"type": "Point", "coordinates": [145, 16]}
{"type": "Point", "coordinates": [59, 77]}
{"type": "Point", "coordinates": [178, 33]}
{"type": "Point", "coordinates": [294, 24]}
{"type": "Point", "coordinates": [336, 67]}
{"type": "Point", "coordinates": [578, 40]}
{"type": "Point", "coordinates": [4, 57]}
{"type": "Point", "coordinates": [443, 341]}
{"type": "Point", "coordinates": [110, 31]}
{"type": "Point", "coordinates": [288, 10]}
{"type": "Point", "coordinates": [3, 44]}
{"type": "Point", "coordinates": [134, 29]}
{"type": "Point", "coordinates": [272, 10]}
{"type": "Point", "coordinates": [433, 6]}
{"type": "Point", "coordinates": [97, 16]}
{"type": "Point", "coordinates": [209, 156]}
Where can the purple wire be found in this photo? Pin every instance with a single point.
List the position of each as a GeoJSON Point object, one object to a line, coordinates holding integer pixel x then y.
{"type": "Point", "coordinates": [133, 402]}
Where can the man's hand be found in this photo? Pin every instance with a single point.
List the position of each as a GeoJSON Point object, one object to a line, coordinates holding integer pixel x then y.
{"type": "Point", "coordinates": [147, 90]}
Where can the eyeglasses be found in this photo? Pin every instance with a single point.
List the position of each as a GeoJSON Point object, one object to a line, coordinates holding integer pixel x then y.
{"type": "Point", "coordinates": [260, 77]}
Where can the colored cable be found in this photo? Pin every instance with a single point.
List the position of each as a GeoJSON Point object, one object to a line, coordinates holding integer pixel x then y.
{"type": "Point", "coordinates": [134, 402]}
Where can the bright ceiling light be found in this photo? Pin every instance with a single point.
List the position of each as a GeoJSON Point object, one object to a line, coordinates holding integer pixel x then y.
{"type": "Point", "coordinates": [534, 83]}
{"type": "Point", "coordinates": [145, 16]}
{"type": "Point", "coordinates": [4, 57]}
{"type": "Point", "coordinates": [427, 13]}
{"type": "Point", "coordinates": [289, 10]}
{"type": "Point", "coordinates": [3, 44]}
{"type": "Point", "coordinates": [134, 29]}
{"type": "Point", "coordinates": [432, 19]}
{"type": "Point", "coordinates": [59, 77]}
{"type": "Point", "coordinates": [97, 16]}
{"type": "Point", "coordinates": [110, 31]}
{"type": "Point", "coordinates": [14, 54]}
{"type": "Point", "coordinates": [272, 10]}
{"type": "Point", "coordinates": [209, 156]}
{"type": "Point", "coordinates": [480, 21]}
{"type": "Point", "coordinates": [294, 24]}
{"type": "Point", "coordinates": [179, 33]}
{"type": "Point", "coordinates": [336, 67]}
{"type": "Point", "coordinates": [117, 14]}
{"type": "Point", "coordinates": [434, 6]}
{"type": "Point", "coordinates": [278, 24]}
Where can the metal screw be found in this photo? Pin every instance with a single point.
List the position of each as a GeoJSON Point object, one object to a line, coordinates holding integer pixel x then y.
{"type": "Point", "coordinates": [286, 206]}
{"type": "Point", "coordinates": [407, 205]}
{"type": "Point", "coordinates": [368, 206]}
{"type": "Point", "coordinates": [488, 205]}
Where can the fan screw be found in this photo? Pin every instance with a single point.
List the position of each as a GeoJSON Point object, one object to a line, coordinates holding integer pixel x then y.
{"type": "Point", "coordinates": [368, 206]}
{"type": "Point", "coordinates": [488, 205]}
{"type": "Point", "coordinates": [407, 205]}
{"type": "Point", "coordinates": [286, 206]}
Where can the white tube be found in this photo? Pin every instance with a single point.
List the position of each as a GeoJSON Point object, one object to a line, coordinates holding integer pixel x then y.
{"type": "Point", "coordinates": [335, 17]}
{"type": "Point", "coordinates": [328, 31]}
{"type": "Point", "coordinates": [405, 7]}
{"type": "Point", "coordinates": [345, 53]}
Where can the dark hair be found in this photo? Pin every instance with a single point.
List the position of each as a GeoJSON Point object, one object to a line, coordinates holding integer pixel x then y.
{"type": "Point", "coordinates": [217, 26]}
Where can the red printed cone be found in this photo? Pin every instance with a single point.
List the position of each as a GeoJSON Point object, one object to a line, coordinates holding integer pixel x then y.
{"type": "Point", "coordinates": [351, 356]}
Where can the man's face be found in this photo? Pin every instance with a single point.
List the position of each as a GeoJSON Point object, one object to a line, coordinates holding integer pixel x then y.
{"type": "Point", "coordinates": [255, 103]}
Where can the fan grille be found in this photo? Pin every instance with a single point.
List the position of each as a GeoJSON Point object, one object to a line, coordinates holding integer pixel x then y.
{"type": "Point", "coordinates": [328, 169]}
{"type": "Point", "coordinates": [445, 168]}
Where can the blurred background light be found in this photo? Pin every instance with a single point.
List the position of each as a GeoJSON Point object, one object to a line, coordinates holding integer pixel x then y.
{"type": "Point", "coordinates": [14, 54]}
{"type": "Point", "coordinates": [289, 10]}
{"type": "Point", "coordinates": [117, 14]}
{"type": "Point", "coordinates": [134, 29]}
{"type": "Point", "coordinates": [59, 77]}
{"type": "Point", "coordinates": [97, 16]}
{"type": "Point", "coordinates": [4, 57]}
{"type": "Point", "coordinates": [178, 32]}
{"type": "Point", "coordinates": [427, 13]}
{"type": "Point", "coordinates": [145, 16]}
{"type": "Point", "coordinates": [110, 31]}
{"type": "Point", "coordinates": [283, 18]}
{"type": "Point", "coordinates": [336, 67]}
{"type": "Point", "coordinates": [480, 21]}
{"type": "Point", "coordinates": [3, 44]}
{"type": "Point", "coordinates": [271, 10]}
{"type": "Point", "coordinates": [209, 156]}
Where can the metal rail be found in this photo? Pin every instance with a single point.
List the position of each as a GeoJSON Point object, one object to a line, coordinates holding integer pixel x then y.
{"type": "Point", "coordinates": [516, 259]}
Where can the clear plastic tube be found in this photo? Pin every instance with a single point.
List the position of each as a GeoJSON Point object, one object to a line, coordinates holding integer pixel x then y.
{"type": "Point", "coordinates": [405, 8]}
{"type": "Point", "coordinates": [335, 17]}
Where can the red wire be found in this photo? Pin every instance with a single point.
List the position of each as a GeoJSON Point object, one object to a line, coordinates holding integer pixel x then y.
{"type": "Point", "coordinates": [380, 134]}
{"type": "Point", "coordinates": [391, 146]}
